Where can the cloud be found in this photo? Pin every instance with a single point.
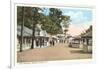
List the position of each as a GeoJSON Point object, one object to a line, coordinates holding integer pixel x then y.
{"type": "Point", "coordinates": [79, 16]}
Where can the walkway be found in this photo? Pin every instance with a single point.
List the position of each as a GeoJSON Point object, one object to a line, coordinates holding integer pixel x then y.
{"type": "Point", "coordinates": [57, 52]}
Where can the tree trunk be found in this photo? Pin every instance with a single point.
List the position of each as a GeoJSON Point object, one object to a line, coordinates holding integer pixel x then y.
{"type": "Point", "coordinates": [22, 26]}
{"type": "Point", "coordinates": [33, 35]}
{"type": "Point", "coordinates": [34, 22]}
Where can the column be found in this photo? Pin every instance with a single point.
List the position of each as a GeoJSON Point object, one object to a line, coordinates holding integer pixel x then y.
{"type": "Point", "coordinates": [85, 47]}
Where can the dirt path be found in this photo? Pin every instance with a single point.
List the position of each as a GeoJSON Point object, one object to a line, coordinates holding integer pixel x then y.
{"type": "Point", "coordinates": [57, 52]}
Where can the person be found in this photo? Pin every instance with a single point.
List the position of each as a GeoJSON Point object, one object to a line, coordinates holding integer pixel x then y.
{"type": "Point", "coordinates": [40, 42]}
{"type": "Point", "coordinates": [64, 41]}
{"type": "Point", "coordinates": [53, 43]}
{"type": "Point", "coordinates": [50, 43]}
{"type": "Point", "coordinates": [37, 42]}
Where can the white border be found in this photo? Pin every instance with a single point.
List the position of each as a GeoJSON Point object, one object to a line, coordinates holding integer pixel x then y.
{"type": "Point", "coordinates": [14, 64]}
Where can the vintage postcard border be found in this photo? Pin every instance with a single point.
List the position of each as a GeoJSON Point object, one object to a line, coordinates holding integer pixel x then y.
{"type": "Point", "coordinates": [14, 22]}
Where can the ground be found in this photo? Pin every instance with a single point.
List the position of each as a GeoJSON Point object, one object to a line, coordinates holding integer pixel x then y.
{"type": "Point", "coordinates": [58, 52]}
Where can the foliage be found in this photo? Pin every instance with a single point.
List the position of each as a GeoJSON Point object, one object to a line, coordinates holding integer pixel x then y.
{"type": "Point", "coordinates": [27, 16]}
{"type": "Point", "coordinates": [50, 26]}
{"type": "Point", "coordinates": [50, 22]}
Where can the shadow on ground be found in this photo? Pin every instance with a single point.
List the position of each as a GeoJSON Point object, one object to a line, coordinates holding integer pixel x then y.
{"type": "Point", "coordinates": [80, 52]}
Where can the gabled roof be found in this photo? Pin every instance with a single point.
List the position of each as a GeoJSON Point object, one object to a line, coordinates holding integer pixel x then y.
{"type": "Point", "coordinates": [88, 34]}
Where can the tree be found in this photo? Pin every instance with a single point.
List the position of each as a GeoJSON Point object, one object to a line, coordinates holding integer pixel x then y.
{"type": "Point", "coordinates": [30, 18]}
{"type": "Point", "coordinates": [23, 18]}
{"type": "Point", "coordinates": [50, 26]}
{"type": "Point", "coordinates": [22, 25]}
{"type": "Point", "coordinates": [65, 23]}
{"type": "Point", "coordinates": [57, 17]}
{"type": "Point", "coordinates": [36, 17]}
{"type": "Point", "coordinates": [27, 16]}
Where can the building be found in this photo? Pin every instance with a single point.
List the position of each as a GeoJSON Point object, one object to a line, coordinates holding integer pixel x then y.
{"type": "Point", "coordinates": [60, 38]}
{"type": "Point", "coordinates": [41, 38]}
{"type": "Point", "coordinates": [74, 42]}
{"type": "Point", "coordinates": [86, 41]}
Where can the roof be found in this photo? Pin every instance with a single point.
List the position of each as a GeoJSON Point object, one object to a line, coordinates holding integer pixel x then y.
{"type": "Point", "coordinates": [26, 31]}
{"type": "Point", "coordinates": [88, 34]}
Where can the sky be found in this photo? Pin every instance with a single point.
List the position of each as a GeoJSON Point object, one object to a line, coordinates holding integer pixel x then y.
{"type": "Point", "coordinates": [81, 19]}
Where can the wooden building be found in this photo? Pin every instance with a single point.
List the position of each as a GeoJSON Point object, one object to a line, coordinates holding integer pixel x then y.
{"type": "Point", "coordinates": [41, 38]}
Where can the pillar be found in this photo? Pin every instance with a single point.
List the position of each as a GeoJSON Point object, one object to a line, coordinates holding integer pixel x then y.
{"type": "Point", "coordinates": [85, 47]}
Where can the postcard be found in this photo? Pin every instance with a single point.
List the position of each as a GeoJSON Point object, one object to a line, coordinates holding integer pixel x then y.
{"type": "Point", "coordinates": [43, 33]}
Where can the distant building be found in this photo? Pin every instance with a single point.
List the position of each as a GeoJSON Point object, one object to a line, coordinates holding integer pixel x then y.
{"type": "Point", "coordinates": [75, 42]}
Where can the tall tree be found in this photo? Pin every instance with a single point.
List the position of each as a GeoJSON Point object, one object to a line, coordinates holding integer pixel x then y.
{"type": "Point", "coordinates": [32, 16]}
{"type": "Point", "coordinates": [50, 26]}
{"type": "Point", "coordinates": [23, 18]}
{"type": "Point", "coordinates": [36, 17]}
{"type": "Point", "coordinates": [65, 23]}
{"type": "Point", "coordinates": [22, 26]}
{"type": "Point", "coordinates": [57, 17]}
{"type": "Point", "coordinates": [27, 16]}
